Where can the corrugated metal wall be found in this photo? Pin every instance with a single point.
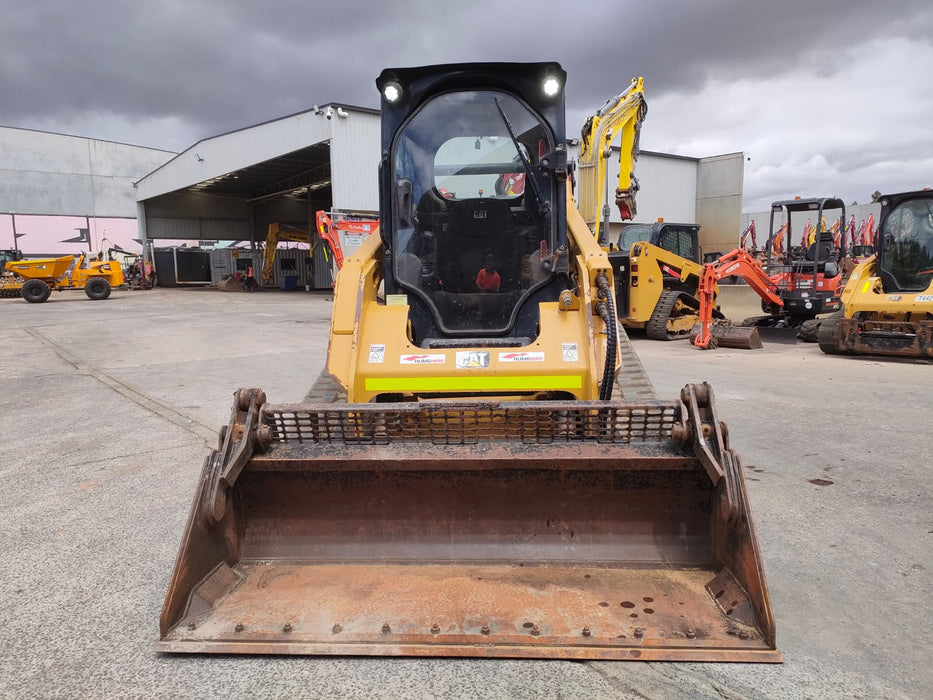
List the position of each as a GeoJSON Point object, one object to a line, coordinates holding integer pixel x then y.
{"type": "Point", "coordinates": [668, 187]}
{"type": "Point", "coordinates": [354, 162]}
{"type": "Point", "coordinates": [197, 229]}
{"type": "Point", "coordinates": [53, 174]}
{"type": "Point", "coordinates": [719, 201]}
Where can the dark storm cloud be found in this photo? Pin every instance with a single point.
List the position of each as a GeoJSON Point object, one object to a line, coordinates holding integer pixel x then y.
{"type": "Point", "coordinates": [165, 73]}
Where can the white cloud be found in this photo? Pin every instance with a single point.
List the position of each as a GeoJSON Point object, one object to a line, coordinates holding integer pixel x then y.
{"type": "Point", "coordinates": [861, 126]}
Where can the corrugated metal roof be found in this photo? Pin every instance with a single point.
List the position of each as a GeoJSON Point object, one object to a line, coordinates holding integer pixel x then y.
{"type": "Point", "coordinates": [290, 155]}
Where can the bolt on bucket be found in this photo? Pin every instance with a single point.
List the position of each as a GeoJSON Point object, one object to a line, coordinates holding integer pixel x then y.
{"type": "Point", "coordinates": [572, 530]}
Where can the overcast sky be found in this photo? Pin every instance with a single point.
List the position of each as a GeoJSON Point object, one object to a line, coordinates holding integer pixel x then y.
{"type": "Point", "coordinates": [827, 97]}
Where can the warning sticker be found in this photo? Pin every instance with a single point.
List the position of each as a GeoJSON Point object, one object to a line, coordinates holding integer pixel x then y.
{"type": "Point", "coordinates": [377, 354]}
{"type": "Point", "coordinates": [472, 359]}
{"type": "Point", "coordinates": [569, 352]}
{"type": "Point", "coordinates": [427, 359]}
{"type": "Point", "coordinates": [521, 357]}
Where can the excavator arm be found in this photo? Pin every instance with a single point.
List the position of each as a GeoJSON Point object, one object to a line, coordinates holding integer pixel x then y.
{"type": "Point", "coordinates": [622, 114]}
{"type": "Point", "coordinates": [328, 231]}
{"type": "Point", "coordinates": [277, 234]}
{"type": "Point", "coordinates": [737, 263]}
{"type": "Point", "coordinates": [325, 231]}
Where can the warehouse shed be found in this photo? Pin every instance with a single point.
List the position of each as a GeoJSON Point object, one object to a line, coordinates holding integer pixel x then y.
{"type": "Point", "coordinates": [231, 187]}
{"type": "Point", "coordinates": [45, 175]}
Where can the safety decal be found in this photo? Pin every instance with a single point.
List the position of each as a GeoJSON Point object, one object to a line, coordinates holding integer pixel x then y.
{"type": "Point", "coordinates": [472, 359]}
{"type": "Point", "coordinates": [569, 352]}
{"type": "Point", "coordinates": [521, 357]}
{"type": "Point", "coordinates": [377, 354]}
{"type": "Point", "coordinates": [426, 359]}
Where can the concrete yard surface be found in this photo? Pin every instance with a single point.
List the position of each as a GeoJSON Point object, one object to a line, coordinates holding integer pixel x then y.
{"type": "Point", "coordinates": [109, 409]}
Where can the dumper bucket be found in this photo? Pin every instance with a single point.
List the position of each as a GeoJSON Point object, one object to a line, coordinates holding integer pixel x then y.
{"type": "Point", "coordinates": [579, 530]}
{"type": "Point", "coordinates": [49, 269]}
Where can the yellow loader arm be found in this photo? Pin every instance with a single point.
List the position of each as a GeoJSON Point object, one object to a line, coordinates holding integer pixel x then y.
{"type": "Point", "coordinates": [623, 114]}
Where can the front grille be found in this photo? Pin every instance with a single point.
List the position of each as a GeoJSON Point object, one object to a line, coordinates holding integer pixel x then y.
{"type": "Point", "coordinates": [460, 424]}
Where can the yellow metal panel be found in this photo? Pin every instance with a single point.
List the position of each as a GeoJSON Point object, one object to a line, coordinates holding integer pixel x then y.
{"type": "Point", "coordinates": [473, 383]}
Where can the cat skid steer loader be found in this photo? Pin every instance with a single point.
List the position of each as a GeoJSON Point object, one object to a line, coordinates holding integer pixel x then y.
{"type": "Point", "coordinates": [479, 493]}
{"type": "Point", "coordinates": [888, 300]}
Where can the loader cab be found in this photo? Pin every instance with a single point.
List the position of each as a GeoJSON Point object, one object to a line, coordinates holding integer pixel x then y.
{"type": "Point", "coordinates": [906, 242]}
{"type": "Point", "coordinates": [682, 240]}
{"type": "Point", "coordinates": [471, 196]}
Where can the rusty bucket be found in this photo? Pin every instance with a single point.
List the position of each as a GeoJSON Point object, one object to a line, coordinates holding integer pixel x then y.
{"type": "Point", "coordinates": [570, 530]}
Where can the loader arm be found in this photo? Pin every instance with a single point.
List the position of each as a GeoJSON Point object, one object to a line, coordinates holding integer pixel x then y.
{"type": "Point", "coordinates": [622, 114]}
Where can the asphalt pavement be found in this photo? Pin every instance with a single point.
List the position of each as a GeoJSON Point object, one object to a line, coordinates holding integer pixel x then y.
{"type": "Point", "coordinates": [109, 409]}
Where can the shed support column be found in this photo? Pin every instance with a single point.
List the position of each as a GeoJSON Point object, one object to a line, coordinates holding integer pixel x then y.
{"type": "Point", "coordinates": [144, 241]}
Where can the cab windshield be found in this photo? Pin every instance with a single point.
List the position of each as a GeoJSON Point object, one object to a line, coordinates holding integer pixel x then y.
{"type": "Point", "coordinates": [631, 235]}
{"type": "Point", "coordinates": [472, 225]}
{"type": "Point", "coordinates": [907, 253]}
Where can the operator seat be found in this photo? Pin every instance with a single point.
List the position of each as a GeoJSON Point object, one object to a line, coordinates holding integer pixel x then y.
{"type": "Point", "coordinates": [476, 228]}
{"type": "Point", "coordinates": [820, 252]}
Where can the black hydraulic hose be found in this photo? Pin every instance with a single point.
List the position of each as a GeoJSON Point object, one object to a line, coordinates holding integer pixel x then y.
{"type": "Point", "coordinates": [607, 312]}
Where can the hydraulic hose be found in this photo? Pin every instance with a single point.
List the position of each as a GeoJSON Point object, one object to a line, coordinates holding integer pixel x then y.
{"type": "Point", "coordinates": [607, 312]}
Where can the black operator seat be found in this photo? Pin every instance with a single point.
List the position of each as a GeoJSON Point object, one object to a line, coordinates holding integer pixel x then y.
{"type": "Point", "coordinates": [476, 228]}
{"type": "Point", "coordinates": [820, 252]}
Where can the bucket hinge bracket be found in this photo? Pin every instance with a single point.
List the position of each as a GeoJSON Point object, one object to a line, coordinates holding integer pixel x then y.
{"type": "Point", "coordinates": [699, 428]}
{"type": "Point", "coordinates": [239, 439]}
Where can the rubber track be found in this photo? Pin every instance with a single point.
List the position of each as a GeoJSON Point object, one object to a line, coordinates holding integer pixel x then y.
{"type": "Point", "coordinates": [656, 328]}
{"type": "Point", "coordinates": [632, 382]}
{"type": "Point", "coordinates": [325, 390]}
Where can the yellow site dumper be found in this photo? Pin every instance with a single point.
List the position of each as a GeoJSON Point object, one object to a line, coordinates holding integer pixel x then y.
{"type": "Point", "coordinates": [479, 492]}
{"type": "Point", "coordinates": [35, 279]}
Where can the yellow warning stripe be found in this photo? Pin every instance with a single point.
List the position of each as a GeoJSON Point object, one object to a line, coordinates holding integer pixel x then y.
{"type": "Point", "coordinates": [474, 383]}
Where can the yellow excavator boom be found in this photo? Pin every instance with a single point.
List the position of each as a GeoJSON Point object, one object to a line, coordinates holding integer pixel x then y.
{"type": "Point", "coordinates": [280, 233]}
{"type": "Point", "coordinates": [621, 115]}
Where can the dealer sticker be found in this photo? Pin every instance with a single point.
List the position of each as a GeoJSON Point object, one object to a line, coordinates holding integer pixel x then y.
{"type": "Point", "coordinates": [425, 359]}
{"type": "Point", "coordinates": [472, 359]}
{"type": "Point", "coordinates": [377, 354]}
{"type": "Point", "coordinates": [521, 357]}
{"type": "Point", "coordinates": [569, 352]}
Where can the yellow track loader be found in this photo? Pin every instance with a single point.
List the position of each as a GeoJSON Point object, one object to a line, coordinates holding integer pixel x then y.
{"type": "Point", "coordinates": [888, 300]}
{"type": "Point", "coordinates": [479, 493]}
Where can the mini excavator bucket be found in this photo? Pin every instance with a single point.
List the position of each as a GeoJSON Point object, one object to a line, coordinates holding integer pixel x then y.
{"type": "Point", "coordinates": [579, 530]}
